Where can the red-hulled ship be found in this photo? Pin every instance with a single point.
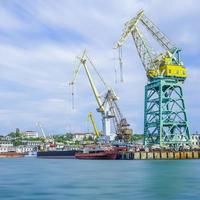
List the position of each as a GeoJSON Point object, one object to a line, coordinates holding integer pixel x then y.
{"type": "Point", "coordinates": [97, 154]}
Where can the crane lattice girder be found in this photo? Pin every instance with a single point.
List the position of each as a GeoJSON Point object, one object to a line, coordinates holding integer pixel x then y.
{"type": "Point", "coordinates": [144, 51]}
{"type": "Point", "coordinates": [149, 59]}
{"type": "Point", "coordinates": [154, 30]}
{"type": "Point", "coordinates": [129, 27]}
{"type": "Point", "coordinates": [156, 33]}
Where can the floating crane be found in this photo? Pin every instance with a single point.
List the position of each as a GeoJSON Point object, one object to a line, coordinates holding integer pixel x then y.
{"type": "Point", "coordinates": [107, 104]}
{"type": "Point", "coordinates": [96, 131]}
{"type": "Point", "coordinates": [165, 120]}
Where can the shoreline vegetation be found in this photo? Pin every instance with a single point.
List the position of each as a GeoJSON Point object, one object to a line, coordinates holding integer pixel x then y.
{"type": "Point", "coordinates": [18, 137]}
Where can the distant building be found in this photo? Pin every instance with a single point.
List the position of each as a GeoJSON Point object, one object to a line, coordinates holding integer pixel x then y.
{"type": "Point", "coordinates": [32, 143]}
{"type": "Point", "coordinates": [6, 143]}
{"type": "Point", "coordinates": [7, 149]}
{"type": "Point", "coordinates": [25, 149]}
{"type": "Point", "coordinates": [82, 136]}
{"type": "Point", "coordinates": [195, 139]}
{"type": "Point", "coordinates": [31, 134]}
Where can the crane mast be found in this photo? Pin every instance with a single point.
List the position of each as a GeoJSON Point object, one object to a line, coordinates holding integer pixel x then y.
{"type": "Point", "coordinates": [165, 119]}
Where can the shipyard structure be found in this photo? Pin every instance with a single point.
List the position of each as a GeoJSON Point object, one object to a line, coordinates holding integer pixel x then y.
{"type": "Point", "coordinates": [165, 118]}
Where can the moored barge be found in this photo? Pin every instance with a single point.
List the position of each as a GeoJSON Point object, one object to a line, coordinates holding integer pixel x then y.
{"type": "Point", "coordinates": [55, 154]}
{"type": "Point", "coordinates": [97, 155]}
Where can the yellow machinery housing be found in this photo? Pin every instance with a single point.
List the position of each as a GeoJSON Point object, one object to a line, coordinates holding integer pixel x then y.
{"type": "Point", "coordinates": [168, 69]}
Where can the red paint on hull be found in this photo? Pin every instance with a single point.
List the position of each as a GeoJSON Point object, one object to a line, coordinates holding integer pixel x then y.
{"type": "Point", "coordinates": [11, 155]}
{"type": "Point", "coordinates": [106, 155]}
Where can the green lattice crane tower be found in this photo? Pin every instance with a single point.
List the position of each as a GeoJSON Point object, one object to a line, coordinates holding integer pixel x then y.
{"type": "Point", "coordinates": [165, 119]}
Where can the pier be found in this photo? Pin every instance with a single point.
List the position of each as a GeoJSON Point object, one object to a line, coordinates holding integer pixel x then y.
{"type": "Point", "coordinates": [158, 155]}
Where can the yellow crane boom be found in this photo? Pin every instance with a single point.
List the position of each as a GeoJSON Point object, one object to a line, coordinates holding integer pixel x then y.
{"type": "Point", "coordinates": [83, 60]}
{"type": "Point", "coordinates": [96, 131]}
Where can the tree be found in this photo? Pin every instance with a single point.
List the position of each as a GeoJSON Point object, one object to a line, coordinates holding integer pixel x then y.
{"type": "Point", "coordinates": [17, 142]}
{"type": "Point", "coordinates": [68, 136]}
{"type": "Point", "coordinates": [90, 138]}
{"type": "Point", "coordinates": [136, 137]}
{"type": "Point", "coordinates": [77, 142]}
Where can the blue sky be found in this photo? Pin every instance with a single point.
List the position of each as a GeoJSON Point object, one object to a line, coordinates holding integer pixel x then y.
{"type": "Point", "coordinates": [39, 41]}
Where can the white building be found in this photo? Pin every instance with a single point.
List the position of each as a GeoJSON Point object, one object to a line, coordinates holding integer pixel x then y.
{"type": "Point", "coordinates": [6, 144]}
{"type": "Point", "coordinates": [32, 143]}
{"type": "Point", "coordinates": [195, 139]}
{"type": "Point", "coordinates": [24, 149]}
{"type": "Point", "coordinates": [81, 136]}
{"type": "Point", "coordinates": [7, 149]}
{"type": "Point", "coordinates": [31, 134]}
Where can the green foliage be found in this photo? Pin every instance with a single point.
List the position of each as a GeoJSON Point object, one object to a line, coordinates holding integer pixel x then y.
{"type": "Point", "coordinates": [16, 134]}
{"type": "Point", "coordinates": [68, 136]}
{"type": "Point", "coordinates": [34, 139]}
{"type": "Point", "coordinates": [77, 142]}
{"type": "Point", "coordinates": [17, 131]}
{"type": "Point", "coordinates": [17, 142]}
{"type": "Point", "coordinates": [136, 137]}
{"type": "Point", "coordinates": [63, 138]}
{"type": "Point", "coordinates": [88, 138]}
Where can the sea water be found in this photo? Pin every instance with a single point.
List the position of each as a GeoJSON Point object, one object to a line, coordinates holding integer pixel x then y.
{"type": "Point", "coordinates": [54, 179]}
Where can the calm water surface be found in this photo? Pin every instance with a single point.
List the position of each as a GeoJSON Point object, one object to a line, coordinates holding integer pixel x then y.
{"type": "Point", "coordinates": [40, 179]}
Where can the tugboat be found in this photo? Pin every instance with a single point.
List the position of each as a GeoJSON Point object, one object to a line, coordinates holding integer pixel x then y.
{"type": "Point", "coordinates": [97, 154]}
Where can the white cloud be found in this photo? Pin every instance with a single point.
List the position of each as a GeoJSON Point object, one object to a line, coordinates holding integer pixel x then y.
{"type": "Point", "coordinates": [40, 65]}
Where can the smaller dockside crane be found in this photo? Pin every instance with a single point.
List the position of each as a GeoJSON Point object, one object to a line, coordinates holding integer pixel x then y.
{"type": "Point", "coordinates": [96, 131]}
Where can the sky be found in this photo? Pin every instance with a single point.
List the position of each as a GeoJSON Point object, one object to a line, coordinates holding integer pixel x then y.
{"type": "Point", "coordinates": [39, 43]}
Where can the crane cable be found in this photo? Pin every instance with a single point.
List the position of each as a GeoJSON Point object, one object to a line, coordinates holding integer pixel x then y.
{"type": "Point", "coordinates": [120, 64]}
{"type": "Point", "coordinates": [72, 84]}
{"type": "Point", "coordinates": [100, 77]}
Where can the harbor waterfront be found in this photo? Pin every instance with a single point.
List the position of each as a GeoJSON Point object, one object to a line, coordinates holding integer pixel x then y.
{"type": "Point", "coordinates": [31, 178]}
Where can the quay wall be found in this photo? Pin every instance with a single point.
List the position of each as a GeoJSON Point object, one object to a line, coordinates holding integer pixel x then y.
{"type": "Point", "coordinates": [158, 155]}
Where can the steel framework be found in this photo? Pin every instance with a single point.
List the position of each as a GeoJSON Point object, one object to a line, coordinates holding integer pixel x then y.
{"type": "Point", "coordinates": [165, 120]}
